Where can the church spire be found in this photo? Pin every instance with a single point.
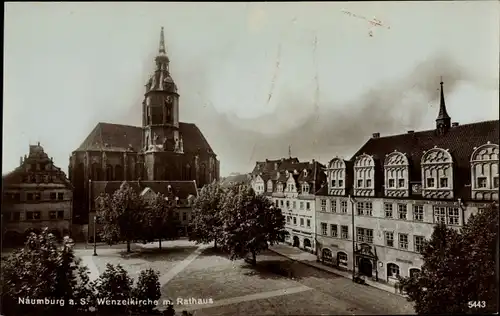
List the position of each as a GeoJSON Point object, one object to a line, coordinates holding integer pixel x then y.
{"type": "Point", "coordinates": [443, 121]}
{"type": "Point", "coordinates": [162, 49]}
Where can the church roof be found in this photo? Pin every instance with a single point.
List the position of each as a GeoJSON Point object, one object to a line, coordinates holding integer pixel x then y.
{"type": "Point", "coordinates": [117, 137]}
{"type": "Point", "coordinates": [459, 140]}
{"type": "Point", "coordinates": [180, 189]}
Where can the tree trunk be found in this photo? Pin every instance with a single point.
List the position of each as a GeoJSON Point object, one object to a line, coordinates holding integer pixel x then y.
{"type": "Point", "coordinates": [254, 258]}
{"type": "Point", "coordinates": [215, 243]}
{"type": "Point", "coordinates": [159, 242]}
{"type": "Point", "coordinates": [128, 246]}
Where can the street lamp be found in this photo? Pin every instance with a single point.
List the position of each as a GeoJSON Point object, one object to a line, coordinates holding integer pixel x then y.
{"type": "Point", "coordinates": [95, 242]}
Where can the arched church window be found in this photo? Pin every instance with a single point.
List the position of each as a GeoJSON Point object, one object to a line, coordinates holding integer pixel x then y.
{"type": "Point", "coordinates": [109, 173]}
{"type": "Point", "coordinates": [118, 173]}
{"type": "Point", "coordinates": [96, 172]}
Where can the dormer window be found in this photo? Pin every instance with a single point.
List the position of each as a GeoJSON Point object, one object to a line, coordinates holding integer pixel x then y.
{"type": "Point", "coordinates": [305, 173]}
{"type": "Point", "coordinates": [364, 175]}
{"type": "Point", "coordinates": [305, 188]}
{"type": "Point", "coordinates": [336, 173]}
{"type": "Point", "coordinates": [484, 172]}
{"type": "Point", "coordinates": [269, 186]}
{"type": "Point", "coordinates": [396, 173]}
{"type": "Point", "coordinates": [437, 174]}
{"type": "Point", "coordinates": [443, 182]}
{"type": "Point", "coordinates": [391, 183]}
{"type": "Point", "coordinates": [279, 187]}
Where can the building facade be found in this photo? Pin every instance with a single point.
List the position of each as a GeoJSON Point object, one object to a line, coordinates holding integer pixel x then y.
{"type": "Point", "coordinates": [291, 185]}
{"type": "Point", "coordinates": [162, 149]}
{"type": "Point", "coordinates": [395, 189]}
{"type": "Point", "coordinates": [181, 193]}
{"type": "Point", "coordinates": [36, 195]}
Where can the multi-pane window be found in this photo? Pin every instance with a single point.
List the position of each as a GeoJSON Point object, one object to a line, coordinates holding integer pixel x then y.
{"type": "Point", "coordinates": [333, 205]}
{"type": "Point", "coordinates": [53, 195]}
{"type": "Point", "coordinates": [308, 223]}
{"type": "Point", "coordinates": [389, 239]}
{"type": "Point", "coordinates": [333, 183]}
{"type": "Point", "coordinates": [388, 210]}
{"type": "Point", "coordinates": [287, 204]}
{"type": "Point", "coordinates": [52, 215]}
{"type": "Point", "coordinates": [37, 196]}
{"type": "Point", "coordinates": [401, 183]}
{"type": "Point", "coordinates": [368, 183]}
{"type": "Point", "coordinates": [430, 182]}
{"type": "Point", "coordinates": [324, 229]}
{"type": "Point", "coordinates": [323, 205]}
{"type": "Point", "coordinates": [344, 232]}
{"type": "Point", "coordinates": [443, 182]}
{"type": "Point", "coordinates": [333, 230]}
{"type": "Point", "coordinates": [301, 204]}
{"type": "Point", "coordinates": [60, 214]}
{"type": "Point", "coordinates": [360, 183]}
{"type": "Point", "coordinates": [282, 203]}
{"type": "Point", "coordinates": [419, 243]}
{"type": "Point", "coordinates": [364, 235]}
{"type": "Point", "coordinates": [495, 182]}
{"type": "Point", "coordinates": [301, 222]}
{"type": "Point", "coordinates": [295, 220]}
{"type": "Point", "coordinates": [276, 202]}
{"type": "Point", "coordinates": [403, 241]}
{"type": "Point", "coordinates": [439, 214]}
{"type": "Point", "coordinates": [305, 188]}
{"type": "Point", "coordinates": [308, 206]}
{"type": "Point", "coordinates": [365, 208]}
{"type": "Point", "coordinates": [453, 216]}
{"type": "Point", "coordinates": [402, 211]}
{"type": "Point", "coordinates": [482, 182]}
{"type": "Point", "coordinates": [294, 204]}
{"type": "Point", "coordinates": [418, 213]}
{"type": "Point", "coordinates": [33, 215]}
{"type": "Point", "coordinates": [341, 183]}
{"type": "Point", "coordinates": [288, 219]}
{"type": "Point", "coordinates": [343, 207]}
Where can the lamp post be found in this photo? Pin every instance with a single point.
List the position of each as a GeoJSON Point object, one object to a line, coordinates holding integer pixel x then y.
{"type": "Point", "coordinates": [95, 241]}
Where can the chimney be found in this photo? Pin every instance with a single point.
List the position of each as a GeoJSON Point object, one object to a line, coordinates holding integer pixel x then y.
{"type": "Point", "coordinates": [411, 132]}
{"type": "Point", "coordinates": [376, 135]}
{"type": "Point", "coordinates": [21, 161]}
{"type": "Point", "coordinates": [454, 124]}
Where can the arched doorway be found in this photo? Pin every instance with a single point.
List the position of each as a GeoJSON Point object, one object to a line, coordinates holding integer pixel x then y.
{"type": "Point", "coordinates": [296, 242]}
{"type": "Point", "coordinates": [326, 255]}
{"type": "Point", "coordinates": [365, 267]}
{"type": "Point", "coordinates": [307, 243]}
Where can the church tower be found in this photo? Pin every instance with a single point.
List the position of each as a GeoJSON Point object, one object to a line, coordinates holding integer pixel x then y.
{"type": "Point", "coordinates": [160, 120]}
{"type": "Point", "coordinates": [443, 121]}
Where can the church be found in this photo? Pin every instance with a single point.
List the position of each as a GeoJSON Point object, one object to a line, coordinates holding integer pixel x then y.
{"type": "Point", "coordinates": [162, 149]}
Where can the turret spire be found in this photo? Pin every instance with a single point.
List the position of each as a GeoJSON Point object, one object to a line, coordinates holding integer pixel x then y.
{"type": "Point", "coordinates": [443, 121]}
{"type": "Point", "coordinates": [162, 49]}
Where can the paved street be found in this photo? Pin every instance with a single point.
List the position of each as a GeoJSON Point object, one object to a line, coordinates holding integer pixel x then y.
{"type": "Point", "coordinates": [188, 271]}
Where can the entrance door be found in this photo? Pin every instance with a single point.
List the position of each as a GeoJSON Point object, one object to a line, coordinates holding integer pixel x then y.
{"type": "Point", "coordinates": [365, 267]}
{"type": "Point", "coordinates": [296, 242]}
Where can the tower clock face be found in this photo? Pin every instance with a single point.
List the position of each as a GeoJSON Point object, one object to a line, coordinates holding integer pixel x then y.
{"type": "Point", "coordinates": [169, 99]}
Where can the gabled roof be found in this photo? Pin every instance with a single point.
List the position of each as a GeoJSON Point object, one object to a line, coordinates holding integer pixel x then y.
{"type": "Point", "coordinates": [459, 140]}
{"type": "Point", "coordinates": [117, 137]}
{"type": "Point", "coordinates": [180, 189]}
{"type": "Point", "coordinates": [238, 178]}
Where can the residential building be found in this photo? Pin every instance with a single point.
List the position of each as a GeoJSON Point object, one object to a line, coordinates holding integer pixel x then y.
{"type": "Point", "coordinates": [181, 193]}
{"type": "Point", "coordinates": [235, 179]}
{"type": "Point", "coordinates": [36, 195]}
{"type": "Point", "coordinates": [291, 185]}
{"type": "Point", "coordinates": [162, 149]}
{"type": "Point", "coordinates": [395, 189]}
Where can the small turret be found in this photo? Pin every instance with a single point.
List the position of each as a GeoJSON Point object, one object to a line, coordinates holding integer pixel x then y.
{"type": "Point", "coordinates": [443, 121]}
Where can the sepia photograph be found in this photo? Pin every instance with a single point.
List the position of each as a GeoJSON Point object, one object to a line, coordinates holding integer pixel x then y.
{"type": "Point", "coordinates": [250, 158]}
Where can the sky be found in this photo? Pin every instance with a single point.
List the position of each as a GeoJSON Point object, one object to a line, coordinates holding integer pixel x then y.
{"type": "Point", "coordinates": [258, 79]}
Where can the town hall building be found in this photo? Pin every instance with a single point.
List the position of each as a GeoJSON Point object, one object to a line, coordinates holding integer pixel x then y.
{"type": "Point", "coordinates": [162, 149]}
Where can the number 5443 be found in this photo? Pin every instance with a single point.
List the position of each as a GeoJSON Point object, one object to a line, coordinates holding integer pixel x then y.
{"type": "Point", "coordinates": [476, 304]}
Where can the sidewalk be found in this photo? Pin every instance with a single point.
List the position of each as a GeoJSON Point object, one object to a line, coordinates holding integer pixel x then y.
{"type": "Point", "coordinates": [309, 259]}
